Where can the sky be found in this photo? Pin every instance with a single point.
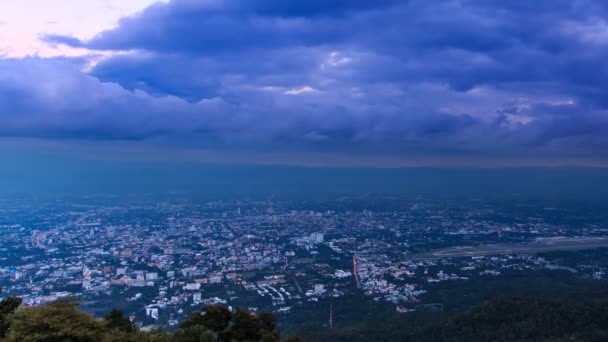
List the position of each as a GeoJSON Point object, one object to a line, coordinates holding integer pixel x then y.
{"type": "Point", "coordinates": [344, 83]}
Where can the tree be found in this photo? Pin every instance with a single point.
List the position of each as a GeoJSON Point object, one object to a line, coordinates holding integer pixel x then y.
{"type": "Point", "coordinates": [523, 319]}
{"type": "Point", "coordinates": [269, 337]}
{"type": "Point", "coordinates": [268, 321]}
{"type": "Point", "coordinates": [63, 321]}
{"type": "Point", "coordinates": [293, 339]}
{"type": "Point", "coordinates": [7, 307]}
{"type": "Point", "coordinates": [58, 321]}
{"type": "Point", "coordinates": [269, 327]}
{"type": "Point", "coordinates": [195, 333]}
{"type": "Point", "coordinates": [115, 320]}
{"type": "Point", "coordinates": [133, 336]}
{"type": "Point", "coordinates": [246, 327]}
{"type": "Point", "coordinates": [157, 335]}
{"type": "Point", "coordinates": [214, 317]}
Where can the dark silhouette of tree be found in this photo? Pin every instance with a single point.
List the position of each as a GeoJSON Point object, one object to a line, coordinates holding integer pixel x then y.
{"type": "Point", "coordinates": [115, 320]}
{"type": "Point", "coordinates": [219, 323]}
{"type": "Point", "coordinates": [268, 321]}
{"type": "Point", "coordinates": [293, 339]}
{"type": "Point", "coordinates": [269, 327]}
{"type": "Point", "coordinates": [7, 307]}
{"type": "Point", "coordinates": [246, 326]}
{"type": "Point", "coordinates": [216, 318]}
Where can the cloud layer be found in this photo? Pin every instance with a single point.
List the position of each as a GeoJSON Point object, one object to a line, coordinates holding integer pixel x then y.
{"type": "Point", "coordinates": [460, 79]}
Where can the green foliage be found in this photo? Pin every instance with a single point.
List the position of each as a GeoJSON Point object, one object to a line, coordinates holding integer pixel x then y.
{"type": "Point", "coordinates": [58, 321]}
{"type": "Point", "coordinates": [215, 317]}
{"type": "Point", "coordinates": [133, 336]}
{"type": "Point", "coordinates": [225, 326]}
{"type": "Point", "coordinates": [7, 307]}
{"type": "Point", "coordinates": [194, 333]}
{"type": "Point", "coordinates": [63, 321]}
{"type": "Point", "coordinates": [157, 335]}
{"type": "Point", "coordinates": [293, 339]}
{"type": "Point", "coordinates": [524, 319]}
{"type": "Point", "coordinates": [115, 320]}
{"type": "Point", "coordinates": [510, 319]}
{"type": "Point", "coordinates": [579, 313]}
{"type": "Point", "coordinates": [268, 321]}
{"type": "Point", "coordinates": [246, 327]}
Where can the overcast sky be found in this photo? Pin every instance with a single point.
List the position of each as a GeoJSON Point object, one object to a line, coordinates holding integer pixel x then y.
{"type": "Point", "coordinates": [359, 82]}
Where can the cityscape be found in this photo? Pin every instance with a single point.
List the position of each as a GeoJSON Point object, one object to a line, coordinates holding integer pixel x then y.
{"type": "Point", "coordinates": [303, 170]}
{"type": "Point", "coordinates": [161, 260]}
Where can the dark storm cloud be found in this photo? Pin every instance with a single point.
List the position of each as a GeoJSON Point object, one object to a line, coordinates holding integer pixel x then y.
{"type": "Point", "coordinates": [470, 76]}
{"type": "Point", "coordinates": [310, 8]}
{"type": "Point", "coordinates": [464, 43]}
{"type": "Point", "coordinates": [53, 98]}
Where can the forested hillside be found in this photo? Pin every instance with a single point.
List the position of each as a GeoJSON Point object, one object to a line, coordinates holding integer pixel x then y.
{"type": "Point", "coordinates": [524, 319]}
{"type": "Point", "coordinates": [579, 315]}
{"type": "Point", "coordinates": [583, 317]}
{"type": "Point", "coordinates": [63, 321]}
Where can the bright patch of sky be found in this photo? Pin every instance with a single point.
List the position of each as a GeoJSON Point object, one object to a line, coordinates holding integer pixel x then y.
{"type": "Point", "coordinates": [23, 21]}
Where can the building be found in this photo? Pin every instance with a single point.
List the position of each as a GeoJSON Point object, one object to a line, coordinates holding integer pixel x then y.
{"type": "Point", "coordinates": [316, 237]}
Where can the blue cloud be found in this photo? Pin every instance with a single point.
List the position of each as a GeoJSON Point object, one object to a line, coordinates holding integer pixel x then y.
{"type": "Point", "coordinates": [57, 39]}
{"type": "Point", "coordinates": [467, 77]}
{"type": "Point", "coordinates": [312, 8]}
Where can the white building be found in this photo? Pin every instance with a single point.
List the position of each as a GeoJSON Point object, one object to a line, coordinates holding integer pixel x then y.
{"type": "Point", "coordinates": [319, 289]}
{"type": "Point", "coordinates": [193, 286]}
{"type": "Point", "coordinates": [316, 237]}
{"type": "Point", "coordinates": [152, 312]}
{"type": "Point", "coordinates": [342, 274]}
{"type": "Point", "coordinates": [151, 276]}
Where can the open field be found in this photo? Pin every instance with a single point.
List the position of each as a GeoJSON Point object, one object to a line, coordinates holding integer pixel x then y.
{"type": "Point", "coordinates": [539, 246]}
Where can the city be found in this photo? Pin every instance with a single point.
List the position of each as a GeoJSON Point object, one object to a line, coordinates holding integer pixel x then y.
{"type": "Point", "coordinates": [159, 261]}
{"type": "Point", "coordinates": [303, 170]}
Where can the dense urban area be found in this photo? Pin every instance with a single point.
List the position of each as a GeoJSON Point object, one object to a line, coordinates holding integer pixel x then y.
{"type": "Point", "coordinates": [305, 261]}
